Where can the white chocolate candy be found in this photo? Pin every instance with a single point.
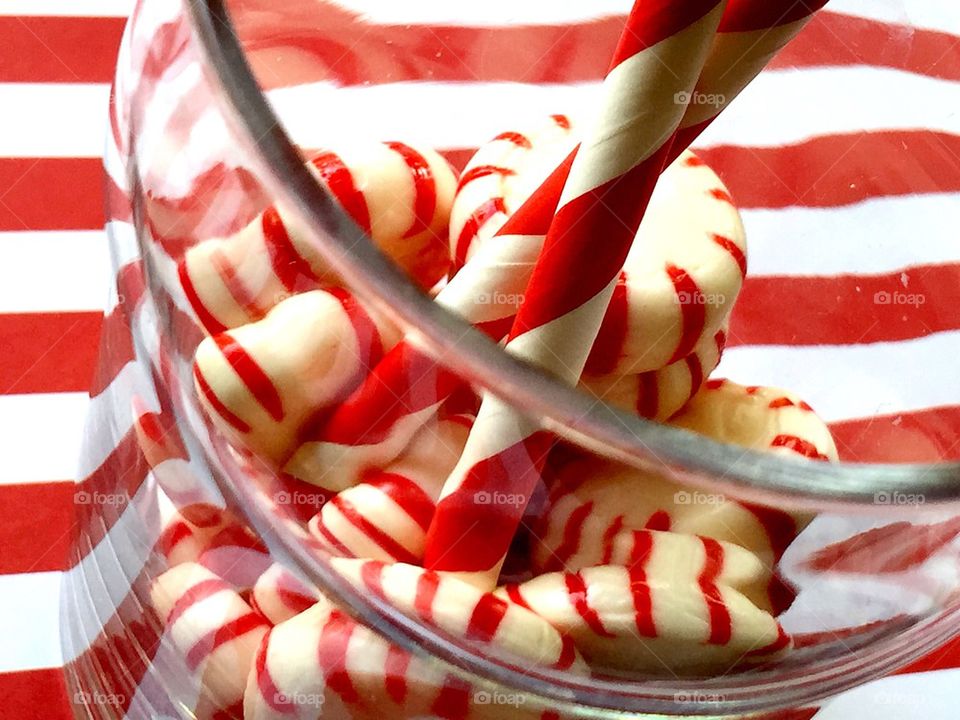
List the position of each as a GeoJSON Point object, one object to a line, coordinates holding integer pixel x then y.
{"type": "Point", "coordinates": [386, 516]}
{"type": "Point", "coordinates": [659, 394]}
{"type": "Point", "coordinates": [593, 499]}
{"type": "Point", "coordinates": [262, 382]}
{"type": "Point", "coordinates": [279, 594]}
{"type": "Point", "coordinates": [500, 176]}
{"type": "Point", "coordinates": [653, 616]}
{"type": "Point", "coordinates": [215, 630]}
{"type": "Point", "coordinates": [399, 195]}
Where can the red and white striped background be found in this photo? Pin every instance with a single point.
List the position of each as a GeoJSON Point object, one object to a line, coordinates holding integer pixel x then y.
{"type": "Point", "coordinates": [56, 63]}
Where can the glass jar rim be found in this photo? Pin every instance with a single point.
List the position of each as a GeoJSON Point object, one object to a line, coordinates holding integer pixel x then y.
{"type": "Point", "coordinates": [703, 463]}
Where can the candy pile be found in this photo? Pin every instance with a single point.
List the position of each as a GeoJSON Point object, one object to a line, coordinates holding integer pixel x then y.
{"type": "Point", "coordinates": [429, 488]}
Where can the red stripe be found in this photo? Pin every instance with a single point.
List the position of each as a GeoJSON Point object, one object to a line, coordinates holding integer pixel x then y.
{"type": "Point", "coordinates": [721, 625]}
{"type": "Point", "coordinates": [478, 218]}
{"type": "Point", "coordinates": [648, 394]}
{"type": "Point", "coordinates": [486, 618]}
{"type": "Point", "coordinates": [339, 180]}
{"type": "Point", "coordinates": [173, 535]}
{"type": "Point", "coordinates": [209, 643]}
{"type": "Point", "coordinates": [206, 318]}
{"type": "Point", "coordinates": [409, 496]}
{"type": "Point", "coordinates": [239, 292]}
{"type": "Point", "coordinates": [781, 403]}
{"type": "Point", "coordinates": [48, 352]}
{"type": "Point", "coordinates": [695, 367]}
{"type": "Point", "coordinates": [780, 527]}
{"type": "Point", "coordinates": [562, 121]}
{"type": "Point", "coordinates": [735, 252]}
{"type": "Point", "coordinates": [747, 15]}
{"type": "Point", "coordinates": [577, 593]}
{"type": "Point", "coordinates": [269, 691]}
{"type": "Point", "coordinates": [453, 700]}
{"type": "Point", "coordinates": [395, 672]}
{"type": "Point", "coordinates": [607, 348]}
{"type": "Point", "coordinates": [693, 310]}
{"type": "Point", "coordinates": [424, 188]}
{"type": "Point", "coordinates": [660, 520]}
{"type": "Point", "coordinates": [391, 546]}
{"type": "Point", "coordinates": [51, 194]}
{"type": "Point", "coordinates": [365, 330]}
{"type": "Point", "coordinates": [781, 642]}
{"type": "Point", "coordinates": [334, 642]}
{"type": "Point", "coordinates": [875, 308]}
{"type": "Point", "coordinates": [572, 533]}
{"type": "Point", "coordinates": [516, 138]}
{"type": "Point", "coordinates": [826, 41]}
{"type": "Point", "coordinates": [35, 694]}
{"type": "Point", "coordinates": [798, 445]}
{"type": "Point", "coordinates": [516, 596]}
{"type": "Point", "coordinates": [482, 171]}
{"type": "Point", "coordinates": [427, 585]}
{"type": "Point", "coordinates": [32, 532]}
{"type": "Point", "coordinates": [199, 592]}
{"type": "Point", "coordinates": [288, 264]}
{"type": "Point", "coordinates": [655, 20]}
{"type": "Point", "coordinates": [371, 574]}
{"type": "Point", "coordinates": [807, 174]}
{"type": "Point", "coordinates": [928, 435]}
{"type": "Point", "coordinates": [219, 407]}
{"type": "Point", "coordinates": [568, 653]}
{"type": "Point", "coordinates": [59, 49]}
{"type": "Point", "coordinates": [639, 583]}
{"type": "Point", "coordinates": [325, 533]}
{"type": "Point", "coordinates": [609, 536]}
{"type": "Point", "coordinates": [251, 375]}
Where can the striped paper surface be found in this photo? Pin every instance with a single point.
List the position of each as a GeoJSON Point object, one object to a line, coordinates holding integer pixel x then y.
{"type": "Point", "coordinates": [852, 88]}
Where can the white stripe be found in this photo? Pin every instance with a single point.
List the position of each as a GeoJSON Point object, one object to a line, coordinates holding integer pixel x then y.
{"type": "Point", "coordinates": [855, 381]}
{"type": "Point", "coordinates": [779, 107]}
{"type": "Point", "coordinates": [917, 696]}
{"type": "Point", "coordinates": [789, 106]}
{"type": "Point", "coordinates": [54, 271]}
{"type": "Point", "coordinates": [488, 13]}
{"type": "Point", "coordinates": [875, 236]}
{"type": "Point", "coordinates": [53, 120]}
{"type": "Point", "coordinates": [42, 436]}
{"type": "Point", "coordinates": [440, 115]}
{"type": "Point", "coordinates": [67, 8]}
{"type": "Point", "coordinates": [30, 621]}
{"type": "Point", "coordinates": [940, 15]}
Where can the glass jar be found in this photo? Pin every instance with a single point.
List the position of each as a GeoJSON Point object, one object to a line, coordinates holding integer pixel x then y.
{"type": "Point", "coordinates": [215, 107]}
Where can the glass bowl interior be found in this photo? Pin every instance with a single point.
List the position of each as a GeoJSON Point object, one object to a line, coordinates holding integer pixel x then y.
{"type": "Point", "coordinates": [849, 301]}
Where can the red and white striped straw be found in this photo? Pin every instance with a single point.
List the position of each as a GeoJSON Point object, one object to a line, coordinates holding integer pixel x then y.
{"type": "Point", "coordinates": [656, 65]}
{"type": "Point", "coordinates": [407, 386]}
{"type": "Point", "coordinates": [751, 32]}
